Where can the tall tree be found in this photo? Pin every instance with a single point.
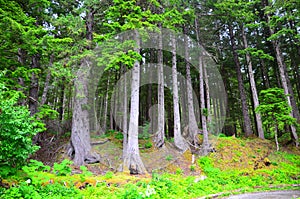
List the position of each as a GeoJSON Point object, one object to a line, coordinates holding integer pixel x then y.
{"type": "Point", "coordinates": [159, 140]}
{"type": "Point", "coordinates": [80, 136]}
{"type": "Point", "coordinates": [245, 110]}
{"type": "Point", "coordinates": [178, 139]}
{"type": "Point", "coordinates": [253, 88]}
{"type": "Point", "coordinates": [132, 160]}
{"type": "Point", "coordinates": [283, 74]}
{"type": "Point", "coordinates": [192, 124]}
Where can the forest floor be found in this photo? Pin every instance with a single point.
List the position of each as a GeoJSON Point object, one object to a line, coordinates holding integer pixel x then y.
{"type": "Point", "coordinates": [230, 152]}
{"type": "Point", "coordinates": [238, 165]}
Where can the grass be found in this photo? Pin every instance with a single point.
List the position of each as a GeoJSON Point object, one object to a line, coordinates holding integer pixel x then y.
{"type": "Point", "coordinates": [243, 165]}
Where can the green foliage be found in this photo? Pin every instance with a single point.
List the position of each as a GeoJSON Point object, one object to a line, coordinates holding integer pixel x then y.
{"type": "Point", "coordinates": [51, 191]}
{"type": "Point", "coordinates": [85, 171]}
{"type": "Point", "coordinates": [148, 144]}
{"type": "Point", "coordinates": [119, 136]}
{"type": "Point", "coordinates": [274, 109]}
{"type": "Point", "coordinates": [63, 168]}
{"type": "Point", "coordinates": [169, 157]}
{"type": "Point", "coordinates": [109, 175]}
{"type": "Point", "coordinates": [145, 131]}
{"type": "Point", "coordinates": [34, 166]}
{"type": "Point", "coordinates": [192, 168]}
{"type": "Point", "coordinates": [17, 129]}
{"type": "Point", "coordinates": [46, 112]}
{"type": "Point", "coordinates": [179, 171]}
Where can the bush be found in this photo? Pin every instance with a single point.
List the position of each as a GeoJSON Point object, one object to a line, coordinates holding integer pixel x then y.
{"type": "Point", "coordinates": [55, 191]}
{"type": "Point", "coordinates": [17, 129]}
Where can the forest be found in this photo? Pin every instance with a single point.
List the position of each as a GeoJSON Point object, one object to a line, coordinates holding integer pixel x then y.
{"type": "Point", "coordinates": [149, 98]}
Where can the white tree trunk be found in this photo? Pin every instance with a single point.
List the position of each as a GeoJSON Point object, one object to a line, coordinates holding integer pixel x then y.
{"type": "Point", "coordinates": [253, 88]}
{"type": "Point", "coordinates": [105, 107]}
{"type": "Point", "coordinates": [133, 161]}
{"type": "Point", "coordinates": [124, 126]}
{"type": "Point", "coordinates": [179, 141]}
{"type": "Point", "coordinates": [192, 127]}
{"type": "Point", "coordinates": [205, 144]}
{"type": "Point", "coordinates": [159, 138]}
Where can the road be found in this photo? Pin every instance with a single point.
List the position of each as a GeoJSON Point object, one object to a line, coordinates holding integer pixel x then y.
{"type": "Point", "coordinates": [268, 195]}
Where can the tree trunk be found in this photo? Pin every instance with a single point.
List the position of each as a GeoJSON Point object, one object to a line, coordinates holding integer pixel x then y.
{"type": "Point", "coordinates": [34, 85]}
{"type": "Point", "coordinates": [47, 81]}
{"type": "Point", "coordinates": [253, 88]}
{"type": "Point", "coordinates": [125, 112]}
{"type": "Point", "coordinates": [285, 83]}
{"type": "Point", "coordinates": [208, 121]}
{"type": "Point", "coordinates": [80, 146]}
{"type": "Point", "coordinates": [105, 107]}
{"type": "Point", "coordinates": [192, 127]}
{"type": "Point", "coordinates": [179, 141]}
{"type": "Point", "coordinates": [247, 122]}
{"type": "Point", "coordinates": [159, 136]}
{"type": "Point", "coordinates": [80, 137]}
{"type": "Point", "coordinates": [61, 100]}
{"type": "Point", "coordinates": [133, 161]}
{"type": "Point", "coordinates": [205, 144]}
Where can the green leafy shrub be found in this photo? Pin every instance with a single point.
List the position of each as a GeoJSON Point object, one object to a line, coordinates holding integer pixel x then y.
{"type": "Point", "coordinates": [119, 136]}
{"type": "Point", "coordinates": [63, 168]}
{"type": "Point", "coordinates": [144, 134]}
{"type": "Point", "coordinates": [17, 128]}
{"type": "Point", "coordinates": [50, 191]}
{"type": "Point", "coordinates": [109, 175]}
{"type": "Point", "coordinates": [148, 144]}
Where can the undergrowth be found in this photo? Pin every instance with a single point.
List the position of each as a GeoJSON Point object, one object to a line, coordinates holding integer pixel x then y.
{"type": "Point", "coordinates": [39, 181]}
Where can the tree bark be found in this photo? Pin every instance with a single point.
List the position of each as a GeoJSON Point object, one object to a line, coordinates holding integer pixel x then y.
{"type": "Point", "coordinates": [106, 107]}
{"type": "Point", "coordinates": [125, 112]}
{"type": "Point", "coordinates": [192, 127]}
{"type": "Point", "coordinates": [179, 141]}
{"type": "Point", "coordinates": [132, 160]}
{"type": "Point", "coordinates": [34, 86]}
{"type": "Point", "coordinates": [159, 136]}
{"type": "Point", "coordinates": [205, 143]}
{"type": "Point", "coordinates": [245, 111]}
{"type": "Point", "coordinates": [253, 88]}
{"type": "Point", "coordinates": [80, 149]}
{"type": "Point", "coordinates": [80, 146]}
{"type": "Point", "coordinates": [47, 81]}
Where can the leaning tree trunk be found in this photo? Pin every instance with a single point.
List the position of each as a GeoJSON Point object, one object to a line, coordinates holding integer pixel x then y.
{"type": "Point", "coordinates": [285, 83]}
{"type": "Point", "coordinates": [132, 160]}
{"type": "Point", "coordinates": [247, 122]}
{"type": "Point", "coordinates": [192, 127]}
{"type": "Point", "coordinates": [159, 136]}
{"type": "Point", "coordinates": [253, 88]}
{"type": "Point", "coordinates": [179, 141]}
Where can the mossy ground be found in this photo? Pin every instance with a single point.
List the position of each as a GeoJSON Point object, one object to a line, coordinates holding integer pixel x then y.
{"type": "Point", "coordinates": [237, 165]}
